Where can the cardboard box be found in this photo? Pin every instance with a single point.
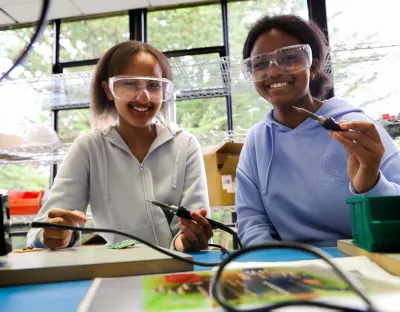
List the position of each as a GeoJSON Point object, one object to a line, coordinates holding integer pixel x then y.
{"type": "Point", "coordinates": [220, 163]}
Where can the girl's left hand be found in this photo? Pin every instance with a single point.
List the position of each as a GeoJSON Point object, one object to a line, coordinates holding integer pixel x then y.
{"type": "Point", "coordinates": [365, 151]}
{"type": "Point", "coordinates": [195, 233]}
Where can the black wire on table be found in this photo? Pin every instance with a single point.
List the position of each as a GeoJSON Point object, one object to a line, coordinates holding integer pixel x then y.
{"type": "Point", "coordinates": [93, 230]}
{"type": "Point", "coordinates": [216, 284]}
{"type": "Point", "coordinates": [217, 292]}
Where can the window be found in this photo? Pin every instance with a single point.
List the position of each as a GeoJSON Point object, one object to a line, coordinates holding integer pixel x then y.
{"type": "Point", "coordinates": [72, 123]}
{"type": "Point", "coordinates": [201, 104]}
{"type": "Point", "coordinates": [365, 54]}
{"type": "Point", "coordinates": [194, 76]}
{"type": "Point", "coordinates": [89, 39]}
{"type": "Point", "coordinates": [38, 61]}
{"type": "Point", "coordinates": [25, 177]}
{"type": "Point", "coordinates": [79, 69]}
{"type": "Point", "coordinates": [22, 104]}
{"type": "Point", "coordinates": [243, 14]}
{"type": "Point", "coordinates": [29, 176]}
{"type": "Point", "coordinates": [17, 112]}
{"type": "Point", "coordinates": [202, 115]}
{"type": "Point", "coordinates": [185, 28]}
{"type": "Point", "coordinates": [248, 107]}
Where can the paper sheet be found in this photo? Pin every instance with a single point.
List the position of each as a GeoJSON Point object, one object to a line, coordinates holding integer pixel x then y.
{"type": "Point", "coordinates": [140, 293]}
{"type": "Point", "coordinates": [361, 264]}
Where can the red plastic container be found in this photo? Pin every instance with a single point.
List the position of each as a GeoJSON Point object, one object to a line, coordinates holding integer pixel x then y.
{"type": "Point", "coordinates": [24, 203]}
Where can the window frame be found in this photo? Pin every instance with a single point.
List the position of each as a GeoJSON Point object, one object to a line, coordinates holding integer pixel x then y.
{"type": "Point", "coordinates": [138, 31]}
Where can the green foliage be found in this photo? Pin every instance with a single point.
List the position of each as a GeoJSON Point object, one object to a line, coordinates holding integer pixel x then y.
{"type": "Point", "coordinates": [24, 177]}
{"type": "Point", "coordinates": [183, 28]}
{"type": "Point", "coordinates": [202, 115]}
{"type": "Point", "coordinates": [38, 61]}
{"type": "Point", "coordinates": [89, 39]}
{"type": "Point", "coordinates": [73, 123]}
{"type": "Point", "coordinates": [189, 28]}
{"type": "Point", "coordinates": [242, 15]}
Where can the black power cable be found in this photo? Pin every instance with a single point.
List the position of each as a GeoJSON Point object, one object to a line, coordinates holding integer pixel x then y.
{"type": "Point", "coordinates": [93, 230]}
{"type": "Point", "coordinates": [217, 292]}
{"type": "Point", "coordinates": [183, 212]}
{"type": "Point", "coordinates": [38, 32]}
{"type": "Point", "coordinates": [216, 282]}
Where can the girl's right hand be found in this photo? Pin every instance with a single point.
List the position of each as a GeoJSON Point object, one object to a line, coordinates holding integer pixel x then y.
{"type": "Point", "coordinates": [195, 233]}
{"type": "Point", "coordinates": [56, 238]}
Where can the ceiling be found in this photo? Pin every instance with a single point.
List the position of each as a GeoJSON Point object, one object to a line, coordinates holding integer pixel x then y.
{"type": "Point", "coordinates": [13, 12]}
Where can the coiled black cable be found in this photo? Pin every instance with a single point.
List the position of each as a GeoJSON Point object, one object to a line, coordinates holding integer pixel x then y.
{"type": "Point", "coordinates": [216, 285]}
{"type": "Point", "coordinates": [93, 230]}
{"type": "Point", "coordinates": [38, 32]}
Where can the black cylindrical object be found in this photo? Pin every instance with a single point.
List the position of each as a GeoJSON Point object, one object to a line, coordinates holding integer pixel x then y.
{"type": "Point", "coordinates": [5, 238]}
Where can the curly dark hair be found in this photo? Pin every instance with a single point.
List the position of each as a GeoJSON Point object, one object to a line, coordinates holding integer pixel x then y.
{"type": "Point", "coordinates": [111, 64]}
{"type": "Point", "coordinates": [304, 31]}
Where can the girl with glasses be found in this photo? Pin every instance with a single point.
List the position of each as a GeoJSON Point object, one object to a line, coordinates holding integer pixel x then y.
{"type": "Point", "coordinates": [294, 176]}
{"type": "Point", "coordinates": [118, 168]}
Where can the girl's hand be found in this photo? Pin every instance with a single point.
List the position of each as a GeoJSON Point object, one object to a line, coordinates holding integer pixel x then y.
{"type": "Point", "coordinates": [58, 238]}
{"type": "Point", "coordinates": [195, 233]}
{"type": "Point", "coordinates": [365, 151]}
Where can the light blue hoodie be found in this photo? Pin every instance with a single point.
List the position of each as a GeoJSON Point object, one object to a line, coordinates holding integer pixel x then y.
{"type": "Point", "coordinates": [293, 183]}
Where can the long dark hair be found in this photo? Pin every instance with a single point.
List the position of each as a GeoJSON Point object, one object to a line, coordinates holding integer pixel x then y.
{"type": "Point", "coordinates": [304, 31]}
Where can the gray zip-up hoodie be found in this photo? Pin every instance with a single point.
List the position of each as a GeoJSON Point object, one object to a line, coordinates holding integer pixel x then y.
{"type": "Point", "coordinates": [99, 169]}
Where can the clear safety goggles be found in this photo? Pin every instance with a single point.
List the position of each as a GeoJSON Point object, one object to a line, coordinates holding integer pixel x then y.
{"type": "Point", "coordinates": [289, 60]}
{"type": "Point", "coordinates": [131, 88]}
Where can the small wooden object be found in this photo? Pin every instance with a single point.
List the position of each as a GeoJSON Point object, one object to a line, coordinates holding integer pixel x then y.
{"type": "Point", "coordinates": [87, 263]}
{"type": "Point", "coordinates": [388, 261]}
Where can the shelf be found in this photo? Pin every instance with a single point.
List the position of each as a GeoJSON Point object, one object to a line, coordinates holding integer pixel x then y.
{"type": "Point", "coordinates": [219, 137]}
{"type": "Point", "coordinates": [223, 209]}
{"type": "Point", "coordinates": [192, 79]}
{"type": "Point", "coordinates": [59, 91]}
{"type": "Point", "coordinates": [203, 78]}
{"type": "Point", "coordinates": [39, 155]}
{"type": "Point", "coordinates": [45, 155]}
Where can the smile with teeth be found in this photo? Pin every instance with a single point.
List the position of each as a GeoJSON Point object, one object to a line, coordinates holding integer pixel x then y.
{"type": "Point", "coordinates": [140, 108]}
{"type": "Point", "coordinates": [278, 85]}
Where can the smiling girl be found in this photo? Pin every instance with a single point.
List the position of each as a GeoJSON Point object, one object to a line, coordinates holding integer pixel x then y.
{"type": "Point", "coordinates": [293, 175]}
{"type": "Point", "coordinates": [118, 168]}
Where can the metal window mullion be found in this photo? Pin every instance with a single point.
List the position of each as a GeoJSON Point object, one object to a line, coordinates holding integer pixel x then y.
{"type": "Point", "coordinates": [56, 69]}
{"type": "Point", "coordinates": [317, 12]}
{"type": "Point", "coordinates": [138, 25]}
{"type": "Point", "coordinates": [227, 78]}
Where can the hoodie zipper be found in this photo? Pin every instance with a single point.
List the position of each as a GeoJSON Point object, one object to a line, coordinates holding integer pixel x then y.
{"type": "Point", "coordinates": [149, 214]}
{"type": "Point", "coordinates": [118, 141]}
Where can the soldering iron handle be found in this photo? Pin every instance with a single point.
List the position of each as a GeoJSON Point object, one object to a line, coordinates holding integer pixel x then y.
{"type": "Point", "coordinates": [185, 213]}
{"type": "Point", "coordinates": [332, 124]}
{"type": "Point", "coordinates": [217, 225]}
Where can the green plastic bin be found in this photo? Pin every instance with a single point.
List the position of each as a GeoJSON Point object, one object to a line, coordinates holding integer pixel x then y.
{"type": "Point", "coordinates": [376, 222]}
